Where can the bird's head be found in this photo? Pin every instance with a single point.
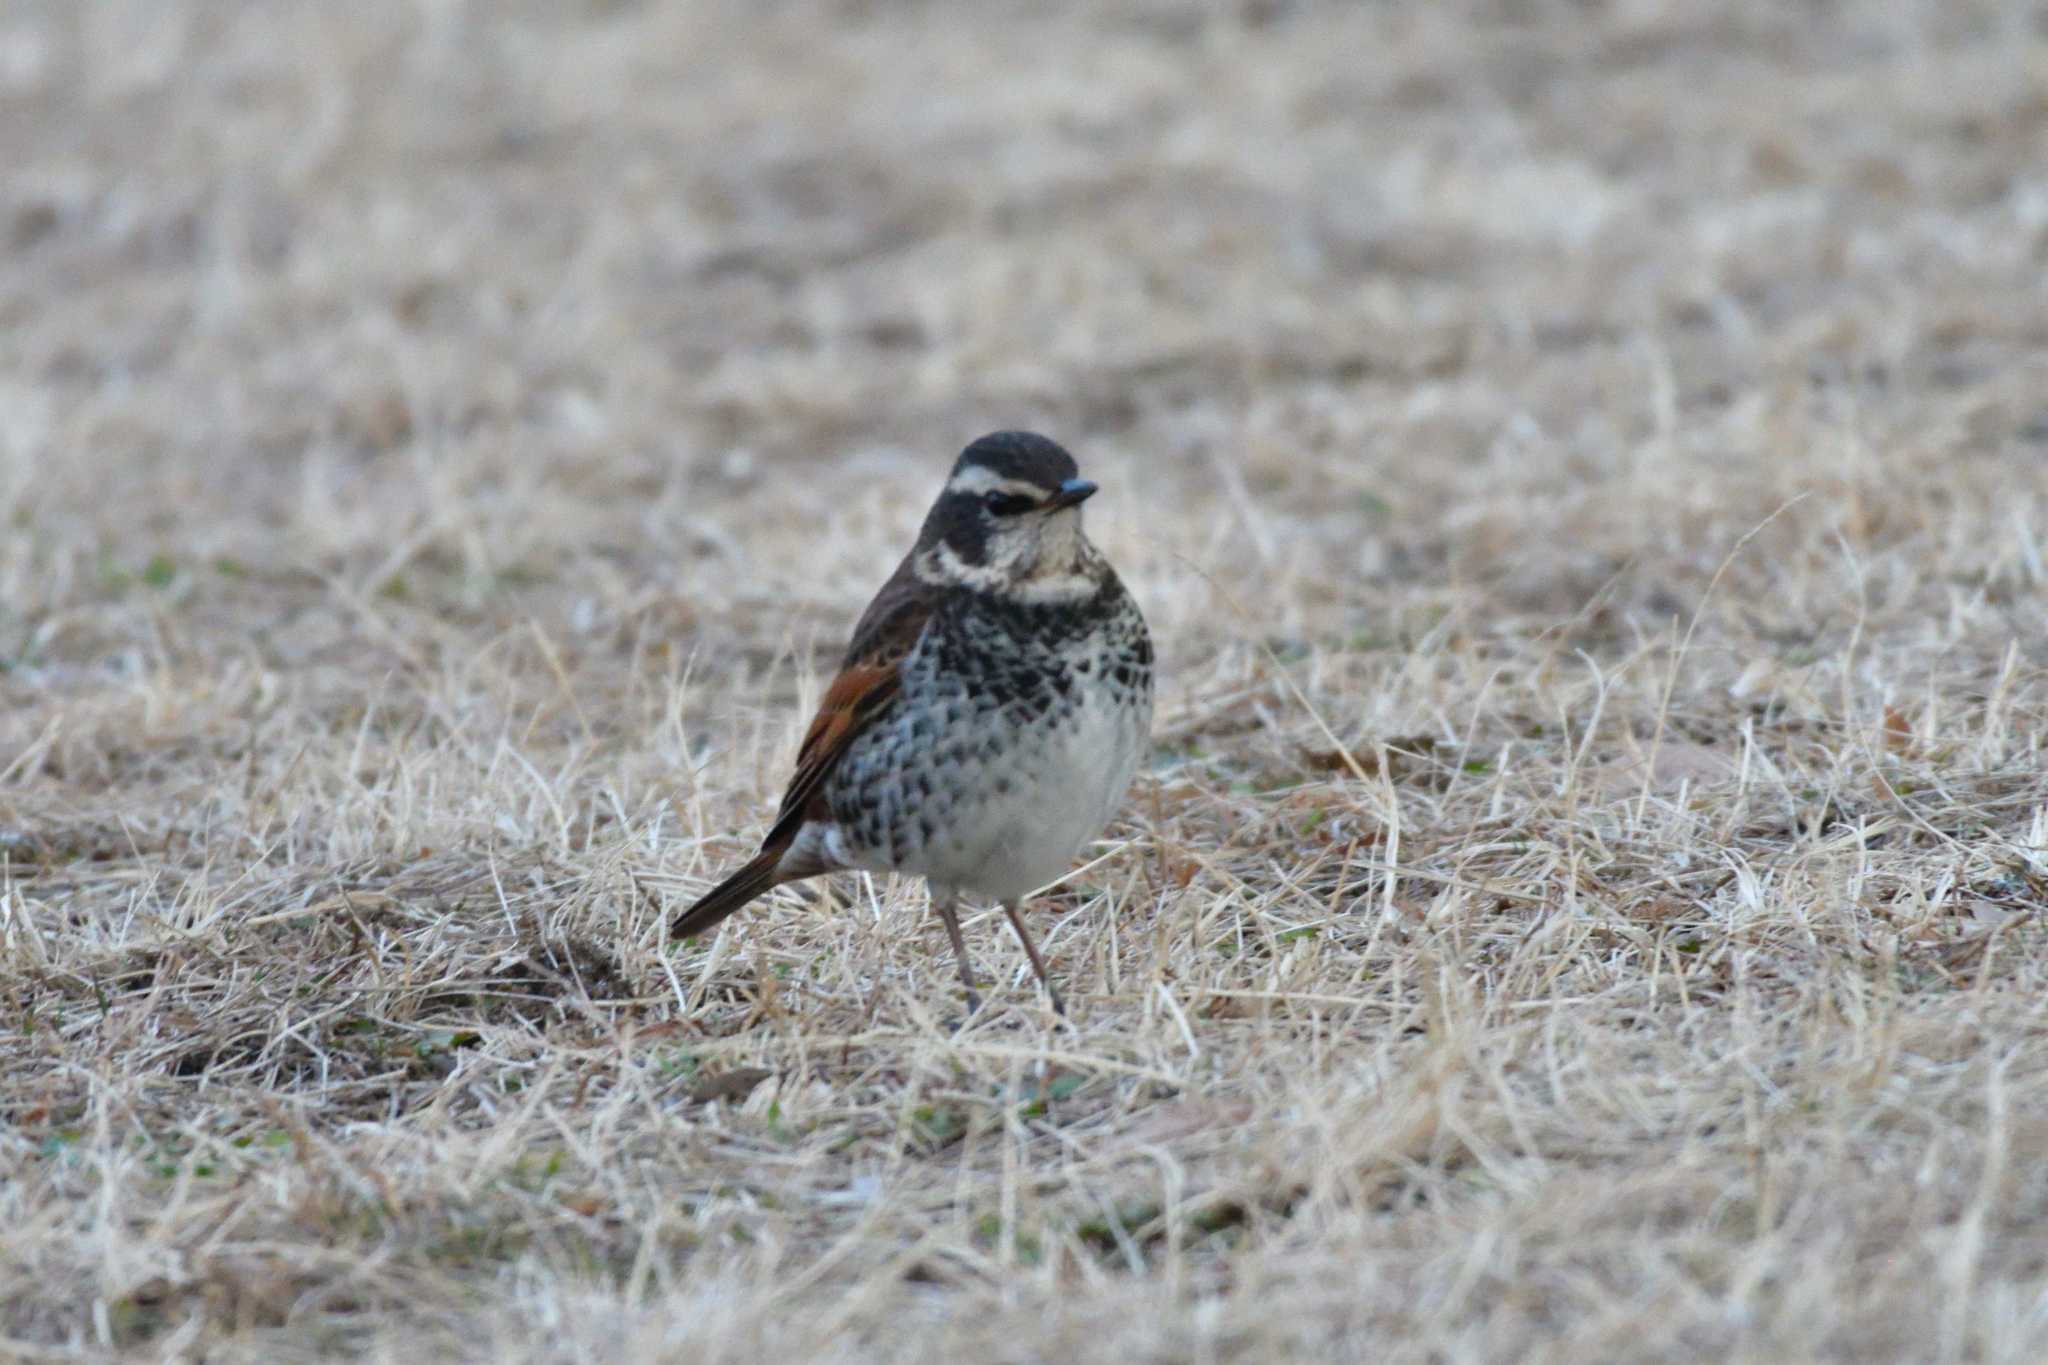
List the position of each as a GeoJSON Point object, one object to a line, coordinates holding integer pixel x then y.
{"type": "Point", "coordinates": [1009, 522]}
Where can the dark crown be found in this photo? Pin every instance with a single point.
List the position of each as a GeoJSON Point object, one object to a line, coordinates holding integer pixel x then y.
{"type": "Point", "coordinates": [1020, 455]}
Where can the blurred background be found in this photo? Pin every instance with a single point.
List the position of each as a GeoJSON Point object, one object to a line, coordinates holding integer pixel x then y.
{"type": "Point", "coordinates": [585, 298]}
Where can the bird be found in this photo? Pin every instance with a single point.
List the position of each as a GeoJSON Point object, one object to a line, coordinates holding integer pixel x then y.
{"type": "Point", "coordinates": [992, 707]}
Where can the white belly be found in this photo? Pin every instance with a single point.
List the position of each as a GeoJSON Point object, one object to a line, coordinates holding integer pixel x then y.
{"type": "Point", "coordinates": [1034, 810]}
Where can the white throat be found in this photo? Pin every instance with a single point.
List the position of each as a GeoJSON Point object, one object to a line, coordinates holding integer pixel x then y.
{"type": "Point", "coordinates": [942, 566]}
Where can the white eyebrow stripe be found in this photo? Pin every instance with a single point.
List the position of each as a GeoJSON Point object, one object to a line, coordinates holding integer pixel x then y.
{"type": "Point", "coordinates": [975, 479]}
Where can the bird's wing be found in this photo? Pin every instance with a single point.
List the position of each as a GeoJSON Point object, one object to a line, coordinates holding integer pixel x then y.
{"type": "Point", "coordinates": [868, 683]}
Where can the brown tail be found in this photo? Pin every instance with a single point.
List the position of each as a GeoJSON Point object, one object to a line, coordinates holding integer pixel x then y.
{"type": "Point", "coordinates": [755, 877]}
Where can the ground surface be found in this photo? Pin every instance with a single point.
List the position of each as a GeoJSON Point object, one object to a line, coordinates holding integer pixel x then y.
{"type": "Point", "coordinates": [1585, 467]}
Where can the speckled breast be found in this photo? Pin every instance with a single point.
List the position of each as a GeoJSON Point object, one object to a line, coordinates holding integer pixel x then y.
{"type": "Point", "coordinates": [1016, 734]}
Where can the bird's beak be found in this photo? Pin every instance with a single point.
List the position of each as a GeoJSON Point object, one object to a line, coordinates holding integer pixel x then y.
{"type": "Point", "coordinates": [1072, 493]}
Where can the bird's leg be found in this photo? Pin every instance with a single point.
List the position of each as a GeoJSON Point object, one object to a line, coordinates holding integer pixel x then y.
{"type": "Point", "coordinates": [945, 901]}
{"type": "Point", "coordinates": [1059, 1006]}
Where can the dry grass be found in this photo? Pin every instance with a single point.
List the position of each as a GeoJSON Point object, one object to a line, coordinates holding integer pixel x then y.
{"type": "Point", "coordinates": [1585, 467]}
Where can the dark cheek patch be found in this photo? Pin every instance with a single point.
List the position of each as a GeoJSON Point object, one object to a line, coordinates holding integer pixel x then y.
{"type": "Point", "coordinates": [956, 520]}
{"type": "Point", "coordinates": [969, 542]}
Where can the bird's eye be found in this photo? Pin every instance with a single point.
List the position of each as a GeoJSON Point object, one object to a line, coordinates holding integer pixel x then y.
{"type": "Point", "coordinates": [1009, 504]}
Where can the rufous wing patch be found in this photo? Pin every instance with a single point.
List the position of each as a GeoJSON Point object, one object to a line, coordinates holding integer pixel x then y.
{"type": "Point", "coordinates": [859, 694]}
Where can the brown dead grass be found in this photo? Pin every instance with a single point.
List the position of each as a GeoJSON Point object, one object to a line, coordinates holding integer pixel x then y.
{"type": "Point", "coordinates": [1585, 468]}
